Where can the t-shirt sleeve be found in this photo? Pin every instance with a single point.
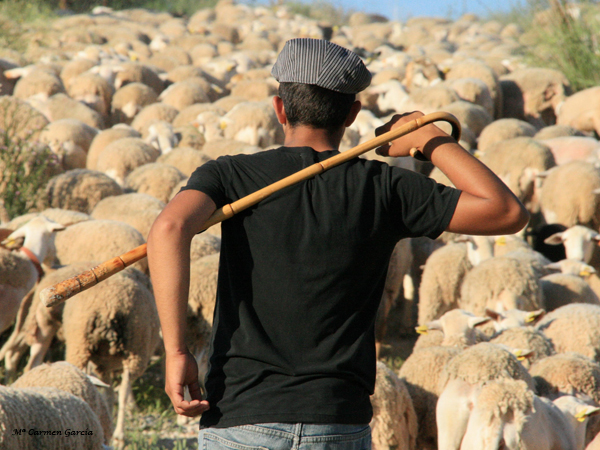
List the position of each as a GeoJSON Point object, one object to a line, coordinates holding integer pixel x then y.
{"type": "Point", "coordinates": [420, 205]}
{"type": "Point", "coordinates": [210, 179]}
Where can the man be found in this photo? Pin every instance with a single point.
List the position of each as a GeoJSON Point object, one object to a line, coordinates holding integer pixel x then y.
{"type": "Point", "coordinates": [292, 361]}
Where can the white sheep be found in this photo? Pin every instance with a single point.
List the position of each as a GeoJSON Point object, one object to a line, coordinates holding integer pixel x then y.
{"type": "Point", "coordinates": [394, 422]}
{"type": "Point", "coordinates": [93, 91]}
{"type": "Point", "coordinates": [70, 139]}
{"type": "Point", "coordinates": [21, 270]}
{"type": "Point", "coordinates": [162, 136]}
{"type": "Point", "coordinates": [580, 110]}
{"type": "Point", "coordinates": [442, 276]}
{"type": "Point", "coordinates": [104, 138]}
{"type": "Point", "coordinates": [97, 240]}
{"type": "Point", "coordinates": [518, 162]}
{"type": "Point", "coordinates": [186, 159]}
{"type": "Point", "coordinates": [574, 328]}
{"type": "Point", "coordinates": [573, 148]}
{"type": "Point", "coordinates": [462, 379]}
{"type": "Point", "coordinates": [68, 378]}
{"type": "Point", "coordinates": [457, 327]}
{"type": "Point", "coordinates": [560, 289]}
{"type": "Point", "coordinates": [80, 190]}
{"type": "Point", "coordinates": [42, 411]}
{"type": "Point", "coordinates": [38, 81]}
{"type": "Point", "coordinates": [61, 106]}
{"type": "Point", "coordinates": [568, 195]}
{"type": "Point", "coordinates": [507, 414]}
{"type": "Point", "coordinates": [152, 113]}
{"type": "Point", "coordinates": [130, 100]}
{"type": "Point", "coordinates": [421, 372]}
{"type": "Point", "coordinates": [123, 156]}
{"type": "Point", "coordinates": [155, 179]}
{"type": "Point", "coordinates": [579, 242]}
{"type": "Point", "coordinates": [525, 338]}
{"type": "Point", "coordinates": [254, 123]}
{"type": "Point", "coordinates": [502, 129]}
{"type": "Point", "coordinates": [501, 283]}
{"type": "Point", "coordinates": [113, 328]}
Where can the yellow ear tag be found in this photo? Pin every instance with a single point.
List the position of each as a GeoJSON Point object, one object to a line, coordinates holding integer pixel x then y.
{"type": "Point", "coordinates": [584, 273]}
{"type": "Point", "coordinates": [501, 241]}
{"type": "Point", "coordinates": [222, 125]}
{"type": "Point", "coordinates": [422, 329]}
{"type": "Point", "coordinates": [530, 318]}
{"type": "Point", "coordinates": [581, 415]}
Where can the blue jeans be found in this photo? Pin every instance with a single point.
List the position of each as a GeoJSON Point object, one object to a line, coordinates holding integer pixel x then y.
{"type": "Point", "coordinates": [286, 436]}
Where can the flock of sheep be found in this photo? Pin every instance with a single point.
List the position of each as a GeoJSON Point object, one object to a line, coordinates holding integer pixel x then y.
{"type": "Point", "coordinates": [131, 102]}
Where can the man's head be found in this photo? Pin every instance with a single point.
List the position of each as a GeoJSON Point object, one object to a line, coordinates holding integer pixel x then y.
{"type": "Point", "coordinates": [319, 81]}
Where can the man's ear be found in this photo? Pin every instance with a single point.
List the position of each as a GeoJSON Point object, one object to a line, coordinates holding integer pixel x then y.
{"type": "Point", "coordinates": [279, 110]}
{"type": "Point", "coordinates": [354, 110]}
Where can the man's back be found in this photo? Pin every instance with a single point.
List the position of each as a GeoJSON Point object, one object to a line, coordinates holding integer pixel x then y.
{"type": "Point", "coordinates": [300, 279]}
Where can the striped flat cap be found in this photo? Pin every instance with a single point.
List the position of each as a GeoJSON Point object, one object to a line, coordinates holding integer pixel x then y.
{"type": "Point", "coordinates": [322, 63]}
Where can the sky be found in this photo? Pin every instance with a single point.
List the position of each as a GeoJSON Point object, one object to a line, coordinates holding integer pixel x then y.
{"type": "Point", "coordinates": [404, 9]}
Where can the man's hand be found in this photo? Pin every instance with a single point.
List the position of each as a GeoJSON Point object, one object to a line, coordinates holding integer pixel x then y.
{"type": "Point", "coordinates": [417, 139]}
{"type": "Point", "coordinates": [181, 371]}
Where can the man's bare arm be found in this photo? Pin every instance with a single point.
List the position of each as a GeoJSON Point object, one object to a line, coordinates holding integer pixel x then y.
{"type": "Point", "coordinates": [486, 205]}
{"type": "Point", "coordinates": [169, 261]}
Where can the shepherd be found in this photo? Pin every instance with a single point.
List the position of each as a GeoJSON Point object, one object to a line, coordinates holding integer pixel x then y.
{"type": "Point", "coordinates": [292, 354]}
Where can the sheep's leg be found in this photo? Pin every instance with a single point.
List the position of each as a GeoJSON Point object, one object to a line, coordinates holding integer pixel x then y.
{"type": "Point", "coordinates": [43, 339]}
{"type": "Point", "coordinates": [124, 389]}
{"type": "Point", "coordinates": [12, 356]}
{"type": "Point", "coordinates": [452, 414]}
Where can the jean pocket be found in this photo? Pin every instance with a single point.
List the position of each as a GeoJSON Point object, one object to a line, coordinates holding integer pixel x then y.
{"type": "Point", "coordinates": [213, 442]}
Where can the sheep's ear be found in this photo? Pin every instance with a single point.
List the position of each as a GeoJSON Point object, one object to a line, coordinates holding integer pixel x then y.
{"type": "Point", "coordinates": [54, 227]}
{"type": "Point", "coordinates": [523, 353]}
{"type": "Point", "coordinates": [555, 239]}
{"type": "Point", "coordinates": [534, 316]}
{"type": "Point", "coordinates": [586, 412]}
{"type": "Point", "coordinates": [543, 174]}
{"type": "Point", "coordinates": [493, 314]}
{"type": "Point", "coordinates": [463, 238]}
{"type": "Point", "coordinates": [475, 321]}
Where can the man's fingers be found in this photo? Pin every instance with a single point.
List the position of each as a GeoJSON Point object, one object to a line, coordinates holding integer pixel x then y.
{"type": "Point", "coordinates": [195, 391]}
{"type": "Point", "coordinates": [192, 408]}
{"type": "Point", "coordinates": [383, 150]}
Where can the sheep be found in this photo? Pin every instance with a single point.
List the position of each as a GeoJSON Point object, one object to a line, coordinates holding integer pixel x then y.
{"type": "Point", "coordinates": [79, 190]}
{"type": "Point", "coordinates": [501, 283]}
{"type": "Point", "coordinates": [513, 318]}
{"type": "Point", "coordinates": [579, 242]}
{"type": "Point", "coordinates": [183, 94]}
{"type": "Point", "coordinates": [92, 90]}
{"type": "Point", "coordinates": [104, 138]}
{"type": "Point", "coordinates": [123, 156]}
{"type": "Point", "coordinates": [421, 372]}
{"type": "Point", "coordinates": [561, 289]}
{"type": "Point", "coordinates": [136, 209]}
{"type": "Point", "coordinates": [474, 90]}
{"type": "Point", "coordinates": [472, 116]}
{"type": "Point", "coordinates": [113, 327]}
{"type": "Point", "coordinates": [580, 111]}
{"type": "Point", "coordinates": [502, 129]}
{"type": "Point", "coordinates": [68, 378]}
{"type": "Point", "coordinates": [36, 324]}
{"type": "Point", "coordinates": [151, 113]}
{"type": "Point", "coordinates": [507, 413]}
{"type": "Point", "coordinates": [533, 94]}
{"type": "Point", "coordinates": [189, 136]}
{"type": "Point", "coordinates": [154, 179]}
{"type": "Point", "coordinates": [190, 114]}
{"type": "Point", "coordinates": [97, 240]}
{"type": "Point", "coordinates": [554, 131]}
{"type": "Point", "coordinates": [74, 68]}
{"type": "Point", "coordinates": [23, 121]}
{"type": "Point", "coordinates": [457, 327]}
{"type": "Point", "coordinates": [559, 326]}
{"type": "Point", "coordinates": [22, 269]}
{"type": "Point", "coordinates": [135, 72]}
{"type": "Point", "coordinates": [574, 148]}
{"type": "Point", "coordinates": [185, 159]}
{"type": "Point", "coordinates": [221, 147]}
{"type": "Point", "coordinates": [204, 244]}
{"type": "Point", "coordinates": [524, 337]}
{"type": "Point", "coordinates": [460, 382]}
{"type": "Point", "coordinates": [46, 412]}
{"type": "Point", "coordinates": [254, 123]}
{"type": "Point", "coordinates": [518, 162]}
{"type": "Point", "coordinates": [60, 106]}
{"type": "Point", "coordinates": [38, 82]}
{"type": "Point", "coordinates": [130, 100]}
{"type": "Point", "coordinates": [394, 422]}
{"type": "Point", "coordinates": [70, 139]}
{"type": "Point", "coordinates": [477, 69]}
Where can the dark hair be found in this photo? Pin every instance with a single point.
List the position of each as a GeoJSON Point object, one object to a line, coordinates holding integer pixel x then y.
{"type": "Point", "coordinates": [314, 106]}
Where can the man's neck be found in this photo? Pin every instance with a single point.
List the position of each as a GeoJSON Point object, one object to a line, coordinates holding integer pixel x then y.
{"type": "Point", "coordinates": [318, 139]}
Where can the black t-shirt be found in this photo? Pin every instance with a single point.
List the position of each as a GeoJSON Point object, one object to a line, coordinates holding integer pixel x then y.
{"type": "Point", "coordinates": [301, 275]}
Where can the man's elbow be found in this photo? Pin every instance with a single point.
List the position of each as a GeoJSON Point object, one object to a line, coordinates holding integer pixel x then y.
{"type": "Point", "coordinates": [517, 217]}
